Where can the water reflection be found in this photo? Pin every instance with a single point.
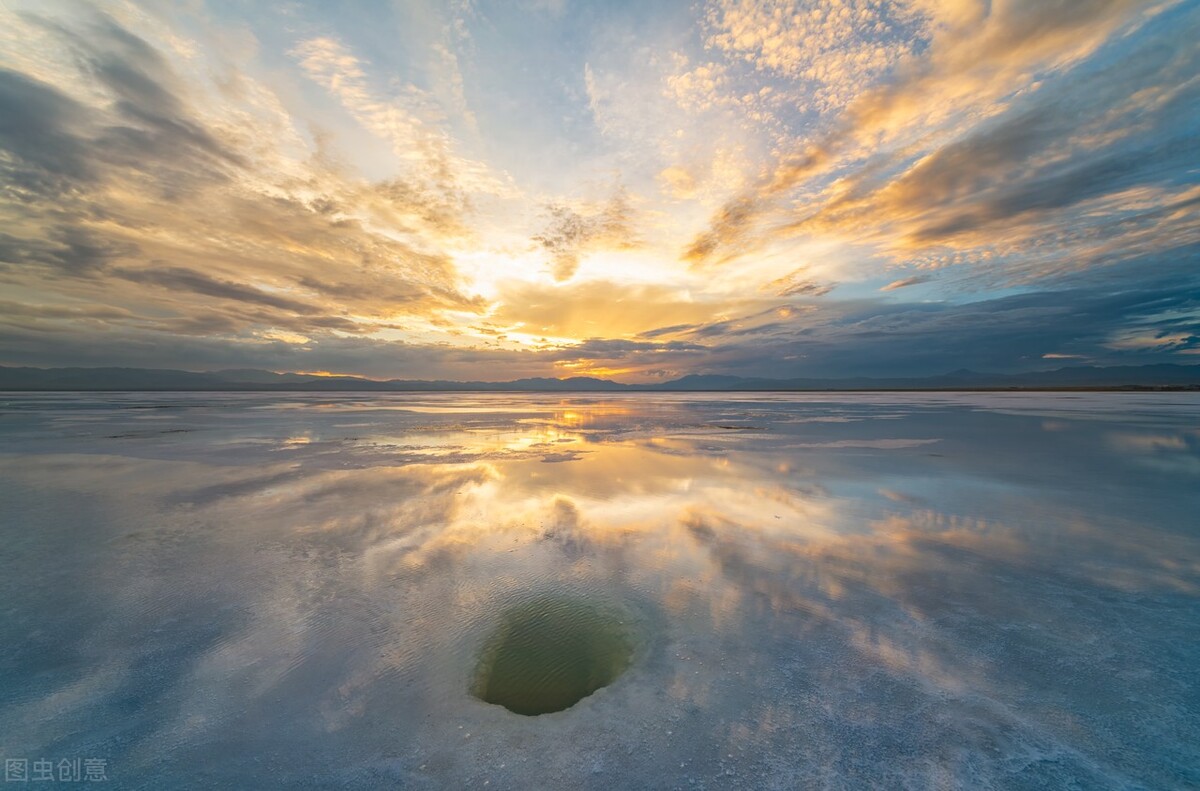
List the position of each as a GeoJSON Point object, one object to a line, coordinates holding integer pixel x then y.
{"type": "Point", "coordinates": [905, 591]}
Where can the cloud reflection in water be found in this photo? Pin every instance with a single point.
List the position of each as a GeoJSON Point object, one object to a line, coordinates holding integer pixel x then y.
{"type": "Point", "coordinates": [898, 590]}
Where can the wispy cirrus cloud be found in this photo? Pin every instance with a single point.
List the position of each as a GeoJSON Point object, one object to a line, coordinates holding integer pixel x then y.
{"type": "Point", "coordinates": [409, 119]}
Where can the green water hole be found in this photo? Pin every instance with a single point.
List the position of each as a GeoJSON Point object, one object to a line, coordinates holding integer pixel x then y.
{"type": "Point", "coordinates": [548, 653]}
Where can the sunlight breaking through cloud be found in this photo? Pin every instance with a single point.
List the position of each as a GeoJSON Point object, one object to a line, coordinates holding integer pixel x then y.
{"type": "Point", "coordinates": [488, 190]}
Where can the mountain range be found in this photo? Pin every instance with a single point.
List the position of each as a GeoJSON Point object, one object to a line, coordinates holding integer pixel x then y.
{"type": "Point", "coordinates": [1162, 376]}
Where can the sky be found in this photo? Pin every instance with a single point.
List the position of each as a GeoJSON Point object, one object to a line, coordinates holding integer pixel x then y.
{"type": "Point", "coordinates": [474, 190]}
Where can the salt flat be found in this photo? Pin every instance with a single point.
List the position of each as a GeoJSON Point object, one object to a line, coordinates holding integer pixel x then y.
{"type": "Point", "coordinates": [816, 590]}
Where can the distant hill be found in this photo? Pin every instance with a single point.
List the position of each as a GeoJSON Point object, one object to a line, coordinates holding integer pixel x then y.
{"type": "Point", "coordinates": [1164, 376]}
{"type": "Point", "coordinates": [1076, 377]}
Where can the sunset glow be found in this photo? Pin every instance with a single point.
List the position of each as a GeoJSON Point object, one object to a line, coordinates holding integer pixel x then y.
{"type": "Point", "coordinates": [492, 190]}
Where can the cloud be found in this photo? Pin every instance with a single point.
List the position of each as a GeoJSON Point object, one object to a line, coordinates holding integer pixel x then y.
{"type": "Point", "coordinates": [905, 282]}
{"type": "Point", "coordinates": [1106, 323]}
{"type": "Point", "coordinates": [138, 192]}
{"type": "Point", "coordinates": [187, 280]}
{"type": "Point", "coordinates": [701, 87]}
{"type": "Point", "coordinates": [620, 310]}
{"type": "Point", "coordinates": [39, 130]}
{"type": "Point", "coordinates": [572, 231]}
{"type": "Point", "coordinates": [830, 50]}
{"type": "Point", "coordinates": [618, 350]}
{"type": "Point", "coordinates": [899, 166]}
{"type": "Point", "coordinates": [409, 120]}
{"type": "Point", "coordinates": [101, 338]}
{"type": "Point", "coordinates": [584, 309]}
{"type": "Point", "coordinates": [1003, 334]}
{"type": "Point", "coordinates": [797, 284]}
{"type": "Point", "coordinates": [185, 187]}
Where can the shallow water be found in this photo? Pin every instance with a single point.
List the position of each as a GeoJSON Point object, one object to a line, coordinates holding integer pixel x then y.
{"type": "Point", "coordinates": [819, 590]}
{"type": "Point", "coordinates": [550, 652]}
